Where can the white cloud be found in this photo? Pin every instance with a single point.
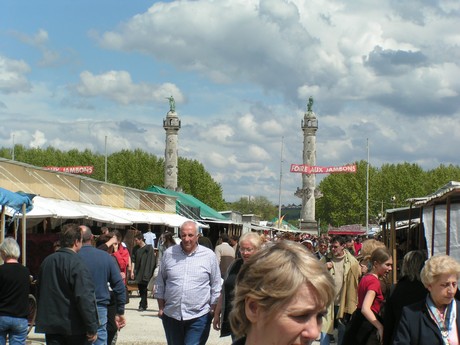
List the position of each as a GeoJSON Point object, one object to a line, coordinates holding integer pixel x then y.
{"type": "Point", "coordinates": [40, 41]}
{"type": "Point", "coordinates": [292, 47]}
{"type": "Point", "coordinates": [13, 76]}
{"type": "Point", "coordinates": [119, 87]}
{"type": "Point", "coordinates": [38, 140]}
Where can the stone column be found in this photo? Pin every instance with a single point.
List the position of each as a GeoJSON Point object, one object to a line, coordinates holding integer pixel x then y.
{"type": "Point", "coordinates": [171, 125]}
{"type": "Point", "coordinates": [307, 193]}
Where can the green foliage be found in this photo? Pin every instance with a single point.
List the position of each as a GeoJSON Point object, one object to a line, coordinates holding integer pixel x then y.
{"type": "Point", "coordinates": [259, 206]}
{"type": "Point", "coordinates": [195, 180]}
{"type": "Point", "coordinates": [136, 169]}
{"type": "Point", "coordinates": [344, 195]}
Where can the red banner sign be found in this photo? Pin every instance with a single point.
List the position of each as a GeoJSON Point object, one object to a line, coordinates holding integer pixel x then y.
{"type": "Point", "coordinates": [309, 169]}
{"type": "Point", "coordinates": [87, 170]}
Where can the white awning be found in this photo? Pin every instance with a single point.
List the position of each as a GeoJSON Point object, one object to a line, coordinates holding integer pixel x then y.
{"type": "Point", "coordinates": [66, 209]}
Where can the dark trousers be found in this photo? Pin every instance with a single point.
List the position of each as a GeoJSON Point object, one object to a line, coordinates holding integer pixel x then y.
{"type": "Point", "coordinates": [187, 332]}
{"type": "Point", "coordinates": [63, 339]}
{"type": "Point", "coordinates": [143, 293]}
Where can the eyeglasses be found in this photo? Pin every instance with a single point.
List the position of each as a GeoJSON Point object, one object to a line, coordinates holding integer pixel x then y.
{"type": "Point", "coordinates": [246, 250]}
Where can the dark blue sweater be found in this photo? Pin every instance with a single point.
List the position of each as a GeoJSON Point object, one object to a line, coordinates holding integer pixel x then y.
{"type": "Point", "coordinates": [104, 269]}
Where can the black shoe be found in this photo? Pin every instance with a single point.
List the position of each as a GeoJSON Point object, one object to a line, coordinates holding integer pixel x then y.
{"type": "Point", "coordinates": [141, 309]}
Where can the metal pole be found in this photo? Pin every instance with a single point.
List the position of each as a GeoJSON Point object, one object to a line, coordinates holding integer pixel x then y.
{"type": "Point", "coordinates": [2, 225]}
{"type": "Point", "coordinates": [281, 177]}
{"type": "Point", "coordinates": [23, 235]}
{"type": "Point", "coordinates": [367, 189]}
{"type": "Point", "coordinates": [12, 154]}
{"type": "Point", "coordinates": [105, 163]}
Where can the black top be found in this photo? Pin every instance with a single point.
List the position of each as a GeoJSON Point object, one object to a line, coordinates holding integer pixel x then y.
{"type": "Point", "coordinates": [240, 341]}
{"type": "Point", "coordinates": [406, 292]}
{"type": "Point", "coordinates": [228, 294]}
{"type": "Point", "coordinates": [14, 290]}
{"type": "Point", "coordinates": [66, 298]}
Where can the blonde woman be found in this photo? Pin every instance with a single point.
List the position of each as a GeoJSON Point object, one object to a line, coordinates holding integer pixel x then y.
{"type": "Point", "coordinates": [281, 295]}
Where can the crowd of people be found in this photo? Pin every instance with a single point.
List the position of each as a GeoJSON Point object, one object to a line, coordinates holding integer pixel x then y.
{"type": "Point", "coordinates": [286, 289]}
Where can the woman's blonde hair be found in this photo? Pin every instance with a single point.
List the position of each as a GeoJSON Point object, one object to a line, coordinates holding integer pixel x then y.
{"type": "Point", "coordinates": [272, 277]}
{"type": "Point", "coordinates": [437, 265]}
{"type": "Point", "coordinates": [368, 247]}
{"type": "Point", "coordinates": [252, 237]}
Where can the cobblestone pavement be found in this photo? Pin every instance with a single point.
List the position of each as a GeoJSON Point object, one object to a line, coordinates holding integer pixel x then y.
{"type": "Point", "coordinates": [141, 328]}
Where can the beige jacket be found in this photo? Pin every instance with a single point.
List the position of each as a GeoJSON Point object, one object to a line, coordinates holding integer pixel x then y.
{"type": "Point", "coordinates": [349, 293]}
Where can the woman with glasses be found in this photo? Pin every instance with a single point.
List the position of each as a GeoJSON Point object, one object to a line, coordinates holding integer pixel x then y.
{"type": "Point", "coordinates": [249, 244]}
{"type": "Point", "coordinates": [434, 320]}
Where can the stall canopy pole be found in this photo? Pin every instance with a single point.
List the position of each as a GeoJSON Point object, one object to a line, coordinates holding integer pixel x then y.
{"type": "Point", "coordinates": [448, 226]}
{"type": "Point", "coordinates": [2, 224]}
{"type": "Point", "coordinates": [433, 219]}
{"type": "Point", "coordinates": [23, 235]}
{"type": "Point", "coordinates": [393, 246]}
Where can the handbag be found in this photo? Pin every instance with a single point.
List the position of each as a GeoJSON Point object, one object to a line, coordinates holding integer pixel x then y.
{"type": "Point", "coordinates": [359, 329]}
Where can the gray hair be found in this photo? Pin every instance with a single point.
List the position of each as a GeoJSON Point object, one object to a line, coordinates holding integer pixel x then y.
{"type": "Point", "coordinates": [438, 265]}
{"type": "Point", "coordinates": [189, 222]}
{"type": "Point", "coordinates": [86, 233]}
{"type": "Point", "coordinates": [10, 249]}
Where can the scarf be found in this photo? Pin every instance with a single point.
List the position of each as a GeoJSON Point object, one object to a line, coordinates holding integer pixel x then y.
{"type": "Point", "coordinates": [445, 323]}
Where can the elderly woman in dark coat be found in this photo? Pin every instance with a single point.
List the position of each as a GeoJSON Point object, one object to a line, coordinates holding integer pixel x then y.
{"type": "Point", "coordinates": [14, 293]}
{"type": "Point", "coordinates": [434, 320]}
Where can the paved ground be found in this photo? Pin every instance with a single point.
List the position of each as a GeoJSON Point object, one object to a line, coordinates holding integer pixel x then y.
{"type": "Point", "coordinates": [142, 328]}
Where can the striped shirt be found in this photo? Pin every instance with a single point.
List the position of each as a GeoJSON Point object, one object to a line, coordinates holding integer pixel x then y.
{"type": "Point", "coordinates": [189, 283]}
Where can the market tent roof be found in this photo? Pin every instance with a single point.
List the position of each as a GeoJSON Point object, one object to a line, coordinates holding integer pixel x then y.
{"type": "Point", "coordinates": [66, 209]}
{"type": "Point", "coordinates": [206, 212]}
{"type": "Point", "coordinates": [450, 189]}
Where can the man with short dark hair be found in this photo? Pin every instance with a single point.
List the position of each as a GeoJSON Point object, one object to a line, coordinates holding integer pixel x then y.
{"type": "Point", "coordinates": [345, 270]}
{"type": "Point", "coordinates": [187, 290]}
{"type": "Point", "coordinates": [104, 270]}
{"type": "Point", "coordinates": [143, 267]}
{"type": "Point", "coordinates": [67, 312]}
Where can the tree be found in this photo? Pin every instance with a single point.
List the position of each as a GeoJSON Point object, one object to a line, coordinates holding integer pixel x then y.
{"type": "Point", "coordinates": [195, 180]}
{"type": "Point", "coordinates": [259, 205]}
{"type": "Point", "coordinates": [344, 195]}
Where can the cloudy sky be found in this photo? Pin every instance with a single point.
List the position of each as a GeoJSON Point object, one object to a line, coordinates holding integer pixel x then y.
{"type": "Point", "coordinates": [241, 72]}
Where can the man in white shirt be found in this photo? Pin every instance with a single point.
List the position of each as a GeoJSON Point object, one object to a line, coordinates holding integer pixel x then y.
{"type": "Point", "coordinates": [187, 289]}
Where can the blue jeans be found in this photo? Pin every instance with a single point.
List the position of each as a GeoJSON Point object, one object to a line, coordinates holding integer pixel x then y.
{"type": "Point", "coordinates": [325, 339]}
{"type": "Point", "coordinates": [102, 329]}
{"type": "Point", "coordinates": [15, 328]}
{"type": "Point", "coordinates": [187, 332]}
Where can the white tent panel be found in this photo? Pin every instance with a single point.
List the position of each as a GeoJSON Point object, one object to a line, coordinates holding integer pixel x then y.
{"type": "Point", "coordinates": [59, 208]}
{"type": "Point", "coordinates": [66, 209]}
{"type": "Point", "coordinates": [173, 220]}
